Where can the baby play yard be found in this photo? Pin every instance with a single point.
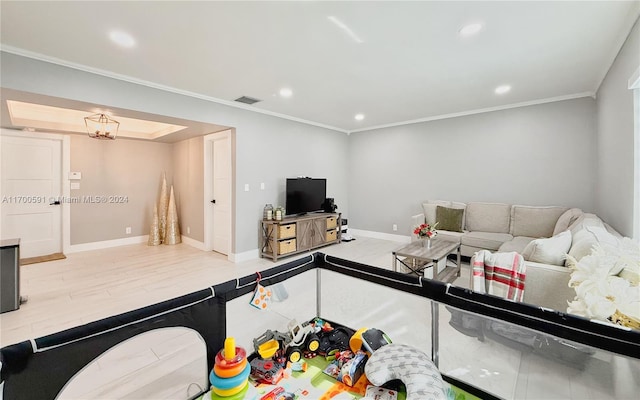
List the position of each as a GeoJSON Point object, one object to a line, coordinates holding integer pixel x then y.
{"type": "Point", "coordinates": [362, 332]}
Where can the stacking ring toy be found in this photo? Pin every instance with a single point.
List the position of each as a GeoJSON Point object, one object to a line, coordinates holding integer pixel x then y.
{"type": "Point", "coordinates": [229, 372]}
{"type": "Point", "coordinates": [229, 383]}
{"type": "Point", "coordinates": [229, 359]}
{"type": "Point", "coordinates": [230, 392]}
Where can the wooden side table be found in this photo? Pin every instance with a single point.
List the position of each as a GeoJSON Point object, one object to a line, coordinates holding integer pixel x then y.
{"type": "Point", "coordinates": [421, 261]}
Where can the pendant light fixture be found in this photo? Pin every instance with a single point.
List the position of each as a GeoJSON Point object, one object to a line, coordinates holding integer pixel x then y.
{"type": "Point", "coordinates": [100, 126]}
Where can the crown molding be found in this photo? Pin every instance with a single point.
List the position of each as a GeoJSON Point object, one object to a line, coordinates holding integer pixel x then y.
{"type": "Point", "coordinates": [142, 82]}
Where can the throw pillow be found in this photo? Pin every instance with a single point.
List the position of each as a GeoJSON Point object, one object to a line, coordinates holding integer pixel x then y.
{"type": "Point", "coordinates": [568, 218]}
{"type": "Point", "coordinates": [549, 251]}
{"type": "Point", "coordinates": [429, 213]}
{"type": "Point", "coordinates": [449, 219]}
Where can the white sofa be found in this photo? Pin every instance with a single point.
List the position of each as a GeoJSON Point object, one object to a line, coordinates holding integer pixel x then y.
{"type": "Point", "coordinates": [543, 235]}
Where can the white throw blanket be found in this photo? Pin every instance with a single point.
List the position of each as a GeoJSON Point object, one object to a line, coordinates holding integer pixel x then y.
{"type": "Point", "coordinates": [499, 274]}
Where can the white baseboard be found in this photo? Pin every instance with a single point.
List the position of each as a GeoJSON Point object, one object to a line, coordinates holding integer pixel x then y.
{"type": "Point", "coordinates": [74, 248]}
{"type": "Point", "coordinates": [380, 235]}
{"type": "Point", "coordinates": [194, 243]}
{"type": "Point", "coordinates": [245, 256]}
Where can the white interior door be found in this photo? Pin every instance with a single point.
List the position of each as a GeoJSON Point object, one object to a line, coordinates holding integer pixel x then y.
{"type": "Point", "coordinates": [31, 179]}
{"type": "Point", "coordinates": [221, 175]}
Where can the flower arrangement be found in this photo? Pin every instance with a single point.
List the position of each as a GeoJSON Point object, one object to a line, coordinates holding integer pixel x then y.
{"type": "Point", "coordinates": [600, 293]}
{"type": "Point", "coordinates": [426, 231]}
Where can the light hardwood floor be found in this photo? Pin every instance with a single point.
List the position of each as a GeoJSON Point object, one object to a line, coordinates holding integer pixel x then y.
{"type": "Point", "coordinates": [92, 285]}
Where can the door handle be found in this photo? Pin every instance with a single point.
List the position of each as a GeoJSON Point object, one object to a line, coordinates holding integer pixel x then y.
{"type": "Point", "coordinates": [213, 201]}
{"type": "Point", "coordinates": [55, 203]}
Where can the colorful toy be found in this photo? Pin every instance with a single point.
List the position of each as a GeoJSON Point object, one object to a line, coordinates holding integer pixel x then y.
{"type": "Point", "coordinates": [289, 345]}
{"type": "Point", "coordinates": [368, 340]}
{"type": "Point", "coordinates": [266, 371]}
{"type": "Point", "coordinates": [353, 369]}
{"type": "Point", "coordinates": [230, 373]}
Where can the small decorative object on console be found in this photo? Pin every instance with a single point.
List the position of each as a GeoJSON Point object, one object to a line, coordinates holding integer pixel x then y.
{"type": "Point", "coordinates": [268, 212]}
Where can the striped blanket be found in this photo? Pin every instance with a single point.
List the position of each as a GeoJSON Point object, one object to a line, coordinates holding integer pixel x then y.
{"type": "Point", "coordinates": [499, 274]}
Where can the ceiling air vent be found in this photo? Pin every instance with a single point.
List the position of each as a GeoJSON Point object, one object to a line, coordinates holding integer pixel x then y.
{"type": "Point", "coordinates": [247, 100]}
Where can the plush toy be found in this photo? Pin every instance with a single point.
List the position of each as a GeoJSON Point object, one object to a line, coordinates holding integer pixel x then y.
{"type": "Point", "coordinates": [412, 366]}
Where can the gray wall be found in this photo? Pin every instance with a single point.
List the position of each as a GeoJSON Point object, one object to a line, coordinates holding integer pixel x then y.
{"type": "Point", "coordinates": [536, 155]}
{"type": "Point", "coordinates": [130, 168]}
{"type": "Point", "coordinates": [188, 178]}
{"type": "Point", "coordinates": [268, 149]}
{"type": "Point", "coordinates": [615, 158]}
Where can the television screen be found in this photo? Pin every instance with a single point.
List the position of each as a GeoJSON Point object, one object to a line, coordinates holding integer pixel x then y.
{"type": "Point", "coordinates": [305, 195]}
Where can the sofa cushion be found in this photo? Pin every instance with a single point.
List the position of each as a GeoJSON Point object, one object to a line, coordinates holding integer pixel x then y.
{"type": "Point", "coordinates": [517, 244]}
{"type": "Point", "coordinates": [449, 219]}
{"type": "Point", "coordinates": [429, 208]}
{"type": "Point", "coordinates": [488, 217]}
{"type": "Point", "coordinates": [449, 236]}
{"type": "Point", "coordinates": [538, 222]}
{"type": "Point", "coordinates": [549, 251]}
{"type": "Point", "coordinates": [566, 219]}
{"type": "Point", "coordinates": [485, 240]}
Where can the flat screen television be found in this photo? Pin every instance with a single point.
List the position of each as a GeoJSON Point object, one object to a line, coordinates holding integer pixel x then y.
{"type": "Point", "coordinates": [305, 195]}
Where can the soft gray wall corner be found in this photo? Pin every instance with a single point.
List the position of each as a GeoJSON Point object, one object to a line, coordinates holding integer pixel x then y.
{"type": "Point", "coordinates": [615, 155]}
{"type": "Point", "coordinates": [536, 155]}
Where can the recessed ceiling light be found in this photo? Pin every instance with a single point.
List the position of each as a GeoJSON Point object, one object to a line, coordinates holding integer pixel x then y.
{"type": "Point", "coordinates": [470, 29]}
{"type": "Point", "coordinates": [359, 117]}
{"type": "Point", "coordinates": [122, 38]}
{"type": "Point", "coordinates": [502, 89]}
{"type": "Point", "coordinates": [285, 92]}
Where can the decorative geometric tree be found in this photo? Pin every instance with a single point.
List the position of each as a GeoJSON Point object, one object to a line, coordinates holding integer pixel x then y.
{"type": "Point", "coordinates": [154, 231]}
{"type": "Point", "coordinates": [162, 208]}
{"type": "Point", "coordinates": [172, 234]}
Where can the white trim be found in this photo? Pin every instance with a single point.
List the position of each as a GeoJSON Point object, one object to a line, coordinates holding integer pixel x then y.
{"type": "Point", "coordinates": [636, 162]}
{"type": "Point", "coordinates": [64, 170]}
{"type": "Point", "coordinates": [245, 256]}
{"type": "Point", "coordinates": [380, 235]}
{"type": "Point", "coordinates": [75, 248]}
{"type": "Point", "coordinates": [480, 111]}
{"type": "Point", "coordinates": [634, 81]}
{"type": "Point", "coordinates": [66, 192]}
{"type": "Point", "coordinates": [193, 243]}
{"type": "Point", "coordinates": [125, 78]}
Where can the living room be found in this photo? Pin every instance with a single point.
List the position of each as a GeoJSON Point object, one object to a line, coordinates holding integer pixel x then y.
{"type": "Point", "coordinates": [572, 149]}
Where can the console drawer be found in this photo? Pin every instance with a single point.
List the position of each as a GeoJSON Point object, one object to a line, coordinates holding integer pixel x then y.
{"type": "Point", "coordinates": [286, 231]}
{"type": "Point", "coordinates": [332, 235]}
{"type": "Point", "coordinates": [332, 222]}
{"type": "Point", "coordinates": [286, 246]}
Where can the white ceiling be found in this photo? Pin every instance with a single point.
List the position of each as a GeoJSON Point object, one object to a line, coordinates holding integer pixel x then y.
{"type": "Point", "coordinates": [411, 63]}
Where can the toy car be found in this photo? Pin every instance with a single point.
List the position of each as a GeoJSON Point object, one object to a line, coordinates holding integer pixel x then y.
{"type": "Point", "coordinates": [287, 346]}
{"type": "Point", "coordinates": [266, 371]}
{"type": "Point", "coordinates": [303, 337]}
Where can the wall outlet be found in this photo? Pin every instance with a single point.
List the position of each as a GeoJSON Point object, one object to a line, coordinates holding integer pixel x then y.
{"type": "Point", "coordinates": [261, 185]}
{"type": "Point", "coordinates": [246, 187]}
{"type": "Point", "coordinates": [395, 227]}
{"type": "Point", "coordinates": [127, 230]}
{"type": "Point", "coordinates": [188, 230]}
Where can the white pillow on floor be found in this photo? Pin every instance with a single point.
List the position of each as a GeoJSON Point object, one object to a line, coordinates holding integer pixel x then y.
{"type": "Point", "coordinates": [549, 251]}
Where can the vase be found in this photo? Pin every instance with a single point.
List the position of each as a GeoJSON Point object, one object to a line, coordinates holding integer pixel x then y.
{"type": "Point", "coordinates": [426, 243]}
